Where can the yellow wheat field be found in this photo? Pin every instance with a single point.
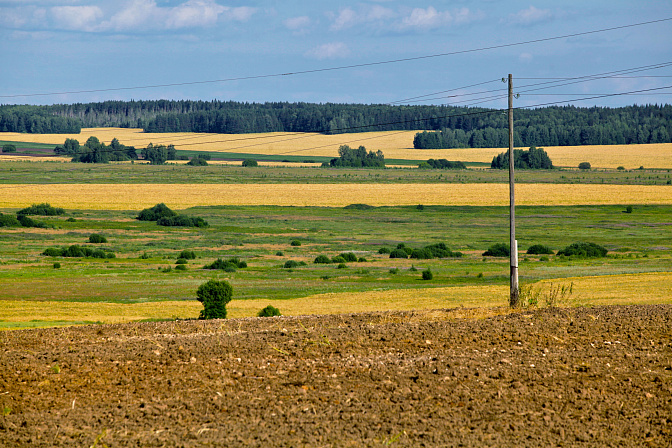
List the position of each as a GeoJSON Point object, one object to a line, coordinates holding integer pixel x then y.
{"type": "Point", "coordinates": [394, 144]}
{"type": "Point", "coordinates": [647, 288]}
{"type": "Point", "coordinates": [138, 196]}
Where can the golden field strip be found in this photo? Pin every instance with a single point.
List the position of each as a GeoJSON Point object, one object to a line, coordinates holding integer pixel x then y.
{"type": "Point", "coordinates": [648, 288]}
{"type": "Point", "coordinates": [139, 196]}
{"type": "Point", "coordinates": [394, 144]}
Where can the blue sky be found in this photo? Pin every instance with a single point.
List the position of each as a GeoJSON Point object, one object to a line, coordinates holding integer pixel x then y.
{"type": "Point", "coordinates": [73, 45]}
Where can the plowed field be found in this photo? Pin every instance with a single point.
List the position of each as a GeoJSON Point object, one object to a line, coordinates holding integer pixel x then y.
{"type": "Point", "coordinates": [598, 376]}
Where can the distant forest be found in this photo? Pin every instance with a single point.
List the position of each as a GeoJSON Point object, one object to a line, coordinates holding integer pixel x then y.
{"type": "Point", "coordinates": [448, 127]}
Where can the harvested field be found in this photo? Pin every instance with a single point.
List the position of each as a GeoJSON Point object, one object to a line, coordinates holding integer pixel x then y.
{"type": "Point", "coordinates": [138, 196]}
{"type": "Point", "coordinates": [394, 144]}
{"type": "Point", "coordinates": [459, 377]}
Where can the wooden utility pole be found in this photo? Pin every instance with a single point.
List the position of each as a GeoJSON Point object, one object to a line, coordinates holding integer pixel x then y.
{"type": "Point", "coordinates": [513, 299]}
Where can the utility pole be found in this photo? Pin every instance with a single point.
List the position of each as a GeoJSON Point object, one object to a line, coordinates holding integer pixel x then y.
{"type": "Point", "coordinates": [513, 299]}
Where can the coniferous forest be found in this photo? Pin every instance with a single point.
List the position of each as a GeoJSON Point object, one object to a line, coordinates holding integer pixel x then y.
{"type": "Point", "coordinates": [447, 126]}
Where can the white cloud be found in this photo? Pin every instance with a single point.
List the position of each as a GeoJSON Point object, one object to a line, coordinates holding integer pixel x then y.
{"type": "Point", "coordinates": [239, 14]}
{"type": "Point", "coordinates": [333, 50]}
{"type": "Point", "coordinates": [195, 13]}
{"type": "Point", "coordinates": [297, 23]}
{"type": "Point", "coordinates": [348, 17]}
{"type": "Point", "coordinates": [422, 19]}
{"type": "Point", "coordinates": [530, 16]}
{"type": "Point", "coordinates": [134, 16]}
{"type": "Point", "coordinates": [525, 57]}
{"type": "Point", "coordinates": [78, 18]}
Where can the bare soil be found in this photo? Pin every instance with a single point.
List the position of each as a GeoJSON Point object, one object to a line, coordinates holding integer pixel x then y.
{"type": "Point", "coordinates": [584, 377]}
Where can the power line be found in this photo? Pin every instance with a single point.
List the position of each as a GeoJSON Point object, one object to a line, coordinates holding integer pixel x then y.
{"type": "Point", "coordinates": [351, 66]}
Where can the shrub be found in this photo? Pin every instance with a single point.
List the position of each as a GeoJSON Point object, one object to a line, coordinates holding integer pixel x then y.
{"type": "Point", "coordinates": [628, 209]}
{"type": "Point", "coordinates": [197, 161]}
{"type": "Point", "coordinates": [338, 259]}
{"type": "Point", "coordinates": [57, 265]}
{"type": "Point", "coordinates": [269, 311]}
{"type": "Point", "coordinates": [229, 265]}
{"type": "Point", "coordinates": [250, 163]}
{"type": "Point", "coordinates": [96, 238]}
{"type": "Point", "coordinates": [8, 148]}
{"type": "Point", "coordinates": [620, 168]}
{"type": "Point", "coordinates": [349, 257]}
{"type": "Point", "coordinates": [398, 253]}
{"type": "Point", "coordinates": [421, 254]}
{"type": "Point", "coordinates": [383, 250]}
{"type": "Point", "coordinates": [539, 249]}
{"type": "Point", "coordinates": [322, 259]}
{"type": "Point", "coordinates": [289, 264]}
{"type": "Point", "coordinates": [181, 261]}
{"type": "Point", "coordinates": [497, 250]}
{"type": "Point", "coordinates": [362, 260]}
{"type": "Point", "coordinates": [584, 250]}
{"type": "Point", "coordinates": [155, 213]}
{"type": "Point", "coordinates": [43, 209]}
{"type": "Point", "coordinates": [427, 274]}
{"type": "Point", "coordinates": [181, 267]}
{"type": "Point", "coordinates": [214, 295]}
{"type": "Point", "coordinates": [584, 165]}
{"type": "Point", "coordinates": [394, 270]}
{"type": "Point", "coordinates": [341, 266]}
{"type": "Point", "coordinates": [181, 221]}
{"type": "Point", "coordinates": [279, 253]}
{"type": "Point", "coordinates": [29, 222]}
{"type": "Point", "coordinates": [76, 251]}
{"type": "Point", "coordinates": [8, 221]}
{"type": "Point", "coordinates": [187, 255]}
{"type": "Point", "coordinates": [295, 243]}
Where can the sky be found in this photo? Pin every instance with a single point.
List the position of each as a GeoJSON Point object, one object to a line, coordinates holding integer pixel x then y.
{"type": "Point", "coordinates": [79, 51]}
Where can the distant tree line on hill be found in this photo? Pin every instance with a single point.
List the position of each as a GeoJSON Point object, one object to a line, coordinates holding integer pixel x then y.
{"type": "Point", "coordinates": [456, 126]}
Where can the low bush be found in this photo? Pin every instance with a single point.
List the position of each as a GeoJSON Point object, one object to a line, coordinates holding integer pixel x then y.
{"type": "Point", "coordinates": [76, 251]}
{"type": "Point", "coordinates": [181, 261]}
{"type": "Point", "coordinates": [8, 148]}
{"type": "Point", "coordinates": [229, 265]}
{"type": "Point", "coordinates": [290, 264]}
{"type": "Point", "coordinates": [155, 213]}
{"type": "Point", "coordinates": [497, 250]}
{"type": "Point", "coordinates": [250, 163]}
{"type": "Point", "coordinates": [359, 207]}
{"type": "Point", "coordinates": [181, 221]}
{"type": "Point", "coordinates": [295, 243]}
{"type": "Point", "coordinates": [279, 253]}
{"type": "Point", "coordinates": [269, 311]}
{"type": "Point", "coordinates": [57, 265]}
{"type": "Point", "coordinates": [187, 255]}
{"type": "Point", "coordinates": [338, 259]}
{"type": "Point", "coordinates": [8, 221]}
{"type": "Point", "coordinates": [27, 221]}
{"type": "Point", "coordinates": [421, 254]}
{"type": "Point", "coordinates": [41, 209]}
{"type": "Point", "coordinates": [214, 295]}
{"type": "Point", "coordinates": [181, 267]}
{"type": "Point", "coordinates": [341, 266]}
{"type": "Point", "coordinates": [584, 166]}
{"type": "Point", "coordinates": [383, 250]}
{"type": "Point", "coordinates": [362, 260]}
{"type": "Point", "coordinates": [96, 238]}
{"type": "Point", "coordinates": [322, 259]}
{"type": "Point", "coordinates": [584, 250]}
{"type": "Point", "coordinates": [197, 161]}
{"type": "Point", "coordinates": [398, 253]}
{"type": "Point", "coordinates": [539, 249]}
{"type": "Point", "coordinates": [427, 274]}
{"type": "Point", "coordinates": [349, 256]}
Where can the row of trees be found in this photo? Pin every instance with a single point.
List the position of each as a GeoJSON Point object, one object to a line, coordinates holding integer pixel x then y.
{"type": "Point", "coordinates": [457, 126]}
{"type": "Point", "coordinates": [95, 151]}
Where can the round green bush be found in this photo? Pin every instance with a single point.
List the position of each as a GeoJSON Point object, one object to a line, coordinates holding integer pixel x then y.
{"type": "Point", "coordinates": [295, 243]}
{"type": "Point", "coordinates": [269, 311]}
{"type": "Point", "coordinates": [187, 255]}
{"type": "Point", "coordinates": [398, 253]}
{"type": "Point", "coordinates": [322, 259]}
{"type": "Point", "coordinates": [584, 250]}
{"type": "Point", "coordinates": [181, 261]}
{"type": "Point", "coordinates": [584, 166]}
{"type": "Point", "coordinates": [427, 274]}
{"type": "Point", "coordinates": [383, 250]}
{"type": "Point", "coordinates": [250, 163]}
{"type": "Point", "coordinates": [289, 264]}
{"type": "Point", "coordinates": [95, 238]}
{"type": "Point", "coordinates": [57, 265]}
{"type": "Point", "coordinates": [181, 267]}
{"type": "Point", "coordinates": [338, 259]}
{"type": "Point", "coordinates": [362, 260]}
{"type": "Point", "coordinates": [539, 249]}
{"type": "Point", "coordinates": [349, 257]}
{"type": "Point", "coordinates": [497, 250]}
{"type": "Point", "coordinates": [279, 253]}
{"type": "Point", "coordinates": [342, 266]}
{"type": "Point", "coordinates": [214, 295]}
{"type": "Point", "coordinates": [422, 254]}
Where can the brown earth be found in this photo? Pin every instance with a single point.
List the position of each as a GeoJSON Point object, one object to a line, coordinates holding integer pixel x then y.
{"type": "Point", "coordinates": [597, 376]}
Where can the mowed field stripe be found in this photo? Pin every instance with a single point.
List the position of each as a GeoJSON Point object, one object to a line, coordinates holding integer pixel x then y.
{"type": "Point", "coordinates": [181, 196]}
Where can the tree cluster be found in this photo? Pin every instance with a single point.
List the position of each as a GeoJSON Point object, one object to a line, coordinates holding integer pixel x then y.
{"type": "Point", "coordinates": [438, 250]}
{"type": "Point", "coordinates": [350, 157]}
{"type": "Point", "coordinates": [76, 251]}
{"type": "Point", "coordinates": [533, 158]}
{"type": "Point", "coordinates": [95, 151]}
{"type": "Point", "coordinates": [442, 164]}
{"type": "Point", "coordinates": [164, 216]}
